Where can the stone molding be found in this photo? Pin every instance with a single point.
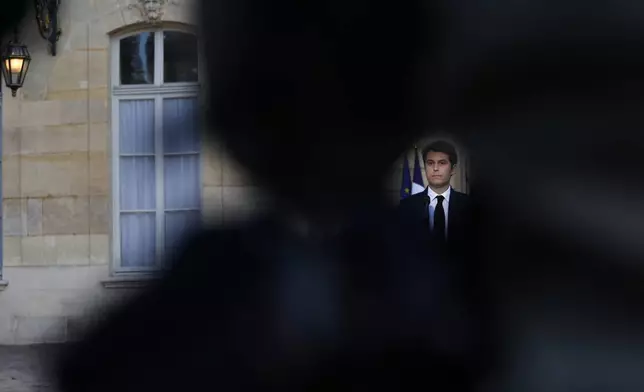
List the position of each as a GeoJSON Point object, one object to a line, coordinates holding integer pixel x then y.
{"type": "Point", "coordinates": [130, 281]}
{"type": "Point", "coordinates": [153, 10]}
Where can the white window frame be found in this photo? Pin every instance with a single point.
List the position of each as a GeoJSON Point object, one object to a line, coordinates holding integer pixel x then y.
{"type": "Point", "coordinates": [158, 91]}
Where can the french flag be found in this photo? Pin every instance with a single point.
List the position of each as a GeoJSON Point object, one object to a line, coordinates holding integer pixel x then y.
{"type": "Point", "coordinates": [417, 185]}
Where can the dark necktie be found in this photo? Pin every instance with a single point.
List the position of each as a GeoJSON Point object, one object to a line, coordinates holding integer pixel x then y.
{"type": "Point", "coordinates": [439, 218]}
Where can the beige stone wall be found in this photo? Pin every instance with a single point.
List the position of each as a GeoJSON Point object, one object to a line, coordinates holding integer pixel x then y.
{"type": "Point", "coordinates": [56, 174]}
{"type": "Point", "coordinates": [229, 193]}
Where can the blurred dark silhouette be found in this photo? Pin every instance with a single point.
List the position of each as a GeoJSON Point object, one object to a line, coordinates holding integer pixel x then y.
{"type": "Point", "coordinates": [547, 97]}
{"type": "Point", "coordinates": [301, 92]}
{"type": "Point", "coordinates": [304, 96]}
{"type": "Point", "coordinates": [11, 15]}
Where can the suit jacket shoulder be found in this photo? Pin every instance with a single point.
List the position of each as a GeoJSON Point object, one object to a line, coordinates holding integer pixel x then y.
{"type": "Point", "coordinates": [412, 204]}
{"type": "Point", "coordinates": [460, 198]}
{"type": "Point", "coordinates": [413, 199]}
{"type": "Point", "coordinates": [460, 194]}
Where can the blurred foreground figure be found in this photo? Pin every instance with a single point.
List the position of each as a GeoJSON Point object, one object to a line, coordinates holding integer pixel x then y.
{"type": "Point", "coordinates": [13, 11]}
{"type": "Point", "coordinates": [325, 293]}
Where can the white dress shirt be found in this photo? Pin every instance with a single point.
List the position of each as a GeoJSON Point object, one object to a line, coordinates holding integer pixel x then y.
{"type": "Point", "coordinates": [432, 206]}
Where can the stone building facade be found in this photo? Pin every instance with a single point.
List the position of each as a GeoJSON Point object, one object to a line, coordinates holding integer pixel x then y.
{"type": "Point", "coordinates": [95, 186]}
{"type": "Point", "coordinates": [86, 126]}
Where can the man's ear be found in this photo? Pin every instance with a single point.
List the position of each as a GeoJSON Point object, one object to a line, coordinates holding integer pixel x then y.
{"type": "Point", "coordinates": [453, 170]}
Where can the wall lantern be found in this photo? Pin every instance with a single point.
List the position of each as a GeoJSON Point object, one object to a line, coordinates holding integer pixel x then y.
{"type": "Point", "coordinates": [15, 64]}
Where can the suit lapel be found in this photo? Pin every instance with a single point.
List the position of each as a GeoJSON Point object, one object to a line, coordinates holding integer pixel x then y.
{"type": "Point", "coordinates": [425, 206]}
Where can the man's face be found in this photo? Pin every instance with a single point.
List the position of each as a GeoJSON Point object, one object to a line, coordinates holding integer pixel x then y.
{"type": "Point", "coordinates": [438, 168]}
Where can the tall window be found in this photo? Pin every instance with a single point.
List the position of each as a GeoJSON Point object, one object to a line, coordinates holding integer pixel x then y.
{"type": "Point", "coordinates": [156, 146]}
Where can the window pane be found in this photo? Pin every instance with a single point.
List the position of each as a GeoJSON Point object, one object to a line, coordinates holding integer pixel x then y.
{"type": "Point", "coordinates": [137, 183]}
{"type": "Point", "coordinates": [136, 126]}
{"type": "Point", "coordinates": [180, 125]}
{"type": "Point", "coordinates": [137, 59]}
{"type": "Point", "coordinates": [180, 54]}
{"type": "Point", "coordinates": [181, 181]}
{"type": "Point", "coordinates": [138, 240]}
{"type": "Point", "coordinates": [178, 225]}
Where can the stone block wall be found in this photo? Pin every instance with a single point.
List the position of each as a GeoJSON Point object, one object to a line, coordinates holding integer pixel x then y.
{"type": "Point", "coordinates": [229, 193]}
{"type": "Point", "coordinates": [57, 176]}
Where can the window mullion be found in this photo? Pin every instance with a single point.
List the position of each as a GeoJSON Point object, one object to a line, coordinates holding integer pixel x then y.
{"type": "Point", "coordinates": [158, 161]}
{"type": "Point", "coordinates": [158, 58]}
{"type": "Point", "coordinates": [116, 186]}
{"type": "Point", "coordinates": [115, 64]}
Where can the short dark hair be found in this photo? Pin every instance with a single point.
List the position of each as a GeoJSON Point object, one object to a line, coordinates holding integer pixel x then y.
{"type": "Point", "coordinates": [445, 148]}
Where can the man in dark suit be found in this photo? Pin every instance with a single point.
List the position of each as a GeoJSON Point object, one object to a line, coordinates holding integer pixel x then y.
{"type": "Point", "coordinates": [438, 223]}
{"type": "Point", "coordinates": [440, 214]}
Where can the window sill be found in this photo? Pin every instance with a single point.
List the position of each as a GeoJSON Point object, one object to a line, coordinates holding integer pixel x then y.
{"type": "Point", "coordinates": [3, 285]}
{"type": "Point", "coordinates": [129, 281]}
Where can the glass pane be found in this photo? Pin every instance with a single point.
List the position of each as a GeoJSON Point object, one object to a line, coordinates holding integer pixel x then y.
{"type": "Point", "coordinates": [137, 59]}
{"type": "Point", "coordinates": [178, 225]}
{"type": "Point", "coordinates": [181, 181]}
{"type": "Point", "coordinates": [137, 183]}
{"type": "Point", "coordinates": [180, 125]}
{"type": "Point", "coordinates": [136, 126]}
{"type": "Point", "coordinates": [180, 54]}
{"type": "Point", "coordinates": [138, 240]}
